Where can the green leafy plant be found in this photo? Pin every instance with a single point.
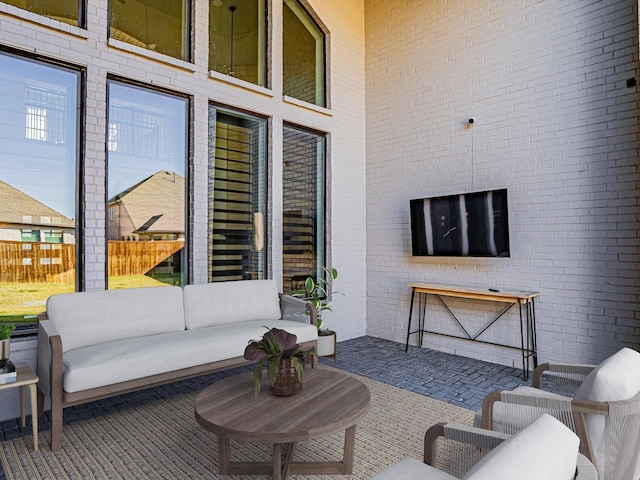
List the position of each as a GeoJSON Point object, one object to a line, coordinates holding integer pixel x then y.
{"type": "Point", "coordinates": [317, 292]}
{"type": "Point", "coordinates": [6, 329]}
{"type": "Point", "coordinates": [275, 345]}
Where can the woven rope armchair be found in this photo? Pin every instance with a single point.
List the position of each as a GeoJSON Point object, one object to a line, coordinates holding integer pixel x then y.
{"type": "Point", "coordinates": [604, 411]}
{"type": "Point", "coordinates": [545, 449]}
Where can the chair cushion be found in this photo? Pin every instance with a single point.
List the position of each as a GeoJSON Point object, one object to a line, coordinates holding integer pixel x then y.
{"type": "Point", "coordinates": [615, 379]}
{"type": "Point", "coordinates": [411, 469]}
{"type": "Point", "coordinates": [544, 450]}
{"type": "Point", "coordinates": [219, 303]}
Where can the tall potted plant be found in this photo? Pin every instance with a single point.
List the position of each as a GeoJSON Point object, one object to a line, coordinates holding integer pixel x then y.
{"type": "Point", "coordinates": [6, 329]}
{"type": "Point", "coordinates": [317, 292]}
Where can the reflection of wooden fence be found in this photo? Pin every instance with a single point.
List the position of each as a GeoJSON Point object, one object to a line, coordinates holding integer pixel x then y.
{"type": "Point", "coordinates": [36, 262]}
{"type": "Point", "coordinates": [137, 258]}
{"type": "Point", "coordinates": [25, 262]}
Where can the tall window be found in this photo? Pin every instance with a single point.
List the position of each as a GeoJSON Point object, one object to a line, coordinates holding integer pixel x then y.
{"type": "Point", "coordinates": [146, 160]}
{"type": "Point", "coordinates": [160, 26]}
{"type": "Point", "coordinates": [303, 55]}
{"type": "Point", "coordinates": [237, 196]}
{"type": "Point", "coordinates": [237, 39]}
{"type": "Point", "coordinates": [68, 11]}
{"type": "Point", "coordinates": [304, 206]}
{"type": "Point", "coordinates": [39, 150]}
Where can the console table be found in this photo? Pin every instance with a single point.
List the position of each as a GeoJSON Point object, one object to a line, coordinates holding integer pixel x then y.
{"type": "Point", "coordinates": [524, 300]}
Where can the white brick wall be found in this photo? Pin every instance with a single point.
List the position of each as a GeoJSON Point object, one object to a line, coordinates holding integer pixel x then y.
{"type": "Point", "coordinates": [343, 122]}
{"type": "Point", "coordinates": [555, 124]}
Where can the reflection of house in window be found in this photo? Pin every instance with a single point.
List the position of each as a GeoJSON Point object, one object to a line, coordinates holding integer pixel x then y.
{"type": "Point", "coordinates": [45, 115]}
{"type": "Point", "coordinates": [137, 132]}
{"type": "Point", "coordinates": [112, 141]}
{"type": "Point", "coordinates": [24, 219]}
{"type": "Point", "coordinates": [150, 210]}
{"type": "Point", "coordinates": [36, 123]}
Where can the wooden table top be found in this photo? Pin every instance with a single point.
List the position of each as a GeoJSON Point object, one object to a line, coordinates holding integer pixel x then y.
{"type": "Point", "coordinates": [514, 296]}
{"type": "Point", "coordinates": [329, 402]}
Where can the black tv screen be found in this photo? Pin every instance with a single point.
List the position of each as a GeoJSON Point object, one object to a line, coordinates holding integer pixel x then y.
{"type": "Point", "coordinates": [465, 225]}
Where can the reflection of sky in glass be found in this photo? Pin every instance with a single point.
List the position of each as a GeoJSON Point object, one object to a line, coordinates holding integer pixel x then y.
{"type": "Point", "coordinates": [147, 134]}
{"type": "Point", "coordinates": [38, 131]}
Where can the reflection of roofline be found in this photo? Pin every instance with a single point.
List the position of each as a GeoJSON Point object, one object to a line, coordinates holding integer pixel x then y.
{"type": "Point", "coordinates": [19, 209]}
{"type": "Point", "coordinates": [148, 224]}
{"type": "Point", "coordinates": [119, 196]}
{"type": "Point", "coordinates": [37, 226]}
{"type": "Point", "coordinates": [152, 206]}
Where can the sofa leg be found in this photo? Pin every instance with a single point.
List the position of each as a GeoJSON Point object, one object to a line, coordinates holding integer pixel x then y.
{"type": "Point", "coordinates": [56, 428]}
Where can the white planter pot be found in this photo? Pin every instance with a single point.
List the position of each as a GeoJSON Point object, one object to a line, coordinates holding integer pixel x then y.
{"type": "Point", "coordinates": [4, 348]}
{"type": "Point", "coordinates": [326, 345]}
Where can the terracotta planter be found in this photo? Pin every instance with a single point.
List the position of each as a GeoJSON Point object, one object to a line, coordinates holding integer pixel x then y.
{"type": "Point", "coordinates": [287, 382]}
{"type": "Point", "coordinates": [4, 348]}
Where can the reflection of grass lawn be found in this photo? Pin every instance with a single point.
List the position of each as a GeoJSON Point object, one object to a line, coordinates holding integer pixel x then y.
{"type": "Point", "coordinates": [20, 299]}
{"type": "Point", "coordinates": [132, 281]}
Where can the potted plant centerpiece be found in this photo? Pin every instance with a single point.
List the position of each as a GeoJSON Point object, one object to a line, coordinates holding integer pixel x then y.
{"type": "Point", "coordinates": [6, 329]}
{"type": "Point", "coordinates": [317, 293]}
{"type": "Point", "coordinates": [284, 358]}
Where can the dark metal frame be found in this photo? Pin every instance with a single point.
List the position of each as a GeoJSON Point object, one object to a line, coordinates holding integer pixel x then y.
{"type": "Point", "coordinates": [527, 315]}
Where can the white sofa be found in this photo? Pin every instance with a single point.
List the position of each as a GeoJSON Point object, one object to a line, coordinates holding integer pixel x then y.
{"type": "Point", "coordinates": [93, 345]}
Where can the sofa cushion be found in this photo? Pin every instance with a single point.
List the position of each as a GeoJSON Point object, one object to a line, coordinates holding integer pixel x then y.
{"type": "Point", "coordinates": [411, 469]}
{"type": "Point", "coordinates": [617, 378]}
{"type": "Point", "coordinates": [90, 318]}
{"type": "Point", "coordinates": [218, 303]}
{"type": "Point", "coordinates": [544, 450]}
{"type": "Point", "coordinates": [133, 358]}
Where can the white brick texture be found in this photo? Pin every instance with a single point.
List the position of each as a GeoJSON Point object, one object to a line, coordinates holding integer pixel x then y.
{"type": "Point", "coordinates": [555, 124]}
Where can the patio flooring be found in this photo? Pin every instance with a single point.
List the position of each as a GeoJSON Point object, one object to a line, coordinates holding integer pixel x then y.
{"type": "Point", "coordinates": [450, 378]}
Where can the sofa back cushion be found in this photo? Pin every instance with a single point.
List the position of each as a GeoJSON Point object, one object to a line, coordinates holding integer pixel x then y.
{"type": "Point", "coordinates": [615, 379]}
{"type": "Point", "coordinates": [544, 450]}
{"type": "Point", "coordinates": [219, 303]}
{"type": "Point", "coordinates": [91, 318]}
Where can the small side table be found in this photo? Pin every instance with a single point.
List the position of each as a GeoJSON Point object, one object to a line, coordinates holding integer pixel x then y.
{"type": "Point", "coordinates": [26, 378]}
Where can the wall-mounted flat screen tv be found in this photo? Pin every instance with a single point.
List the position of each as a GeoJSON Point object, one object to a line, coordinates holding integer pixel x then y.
{"type": "Point", "coordinates": [465, 225]}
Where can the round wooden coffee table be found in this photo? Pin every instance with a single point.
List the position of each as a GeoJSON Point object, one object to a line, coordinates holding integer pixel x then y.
{"type": "Point", "coordinates": [329, 402]}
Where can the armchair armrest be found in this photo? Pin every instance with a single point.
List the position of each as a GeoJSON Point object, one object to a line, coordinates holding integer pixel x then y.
{"type": "Point", "coordinates": [570, 411]}
{"type": "Point", "coordinates": [461, 433]}
{"type": "Point", "coordinates": [579, 371]}
{"type": "Point", "coordinates": [488, 439]}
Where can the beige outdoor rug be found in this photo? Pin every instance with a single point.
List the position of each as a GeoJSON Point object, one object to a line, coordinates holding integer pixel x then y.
{"type": "Point", "coordinates": [162, 440]}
